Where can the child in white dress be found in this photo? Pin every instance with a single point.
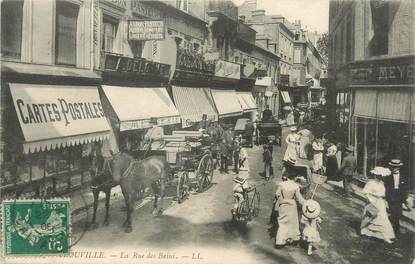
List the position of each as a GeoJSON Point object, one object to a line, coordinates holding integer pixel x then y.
{"type": "Point", "coordinates": [311, 219]}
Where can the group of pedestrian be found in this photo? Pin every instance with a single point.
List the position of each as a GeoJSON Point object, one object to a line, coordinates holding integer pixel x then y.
{"type": "Point", "coordinates": [386, 188]}
{"type": "Point", "coordinates": [226, 148]}
{"type": "Point", "coordinates": [288, 198]}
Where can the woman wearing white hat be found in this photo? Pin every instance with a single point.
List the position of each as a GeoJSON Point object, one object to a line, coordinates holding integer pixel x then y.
{"type": "Point", "coordinates": [375, 221]}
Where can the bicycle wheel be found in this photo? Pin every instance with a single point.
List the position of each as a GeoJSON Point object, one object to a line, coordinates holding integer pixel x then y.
{"type": "Point", "coordinates": [256, 200]}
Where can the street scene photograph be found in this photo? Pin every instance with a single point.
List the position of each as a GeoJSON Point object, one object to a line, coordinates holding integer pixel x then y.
{"type": "Point", "coordinates": [207, 131]}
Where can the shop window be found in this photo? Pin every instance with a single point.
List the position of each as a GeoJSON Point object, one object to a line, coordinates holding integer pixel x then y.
{"type": "Point", "coordinates": [66, 33]}
{"type": "Point", "coordinates": [11, 28]}
{"type": "Point", "coordinates": [109, 33]}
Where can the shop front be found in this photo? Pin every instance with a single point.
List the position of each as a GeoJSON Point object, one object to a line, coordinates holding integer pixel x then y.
{"type": "Point", "coordinates": [193, 104]}
{"type": "Point", "coordinates": [382, 113]}
{"type": "Point", "coordinates": [49, 133]}
{"type": "Point", "coordinates": [189, 89]}
{"type": "Point", "coordinates": [227, 105]}
{"type": "Point", "coordinates": [247, 102]}
{"type": "Point", "coordinates": [131, 108]}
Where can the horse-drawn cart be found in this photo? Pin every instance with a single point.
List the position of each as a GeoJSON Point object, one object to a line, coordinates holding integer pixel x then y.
{"type": "Point", "coordinates": [268, 131]}
{"type": "Point", "coordinates": [190, 161]}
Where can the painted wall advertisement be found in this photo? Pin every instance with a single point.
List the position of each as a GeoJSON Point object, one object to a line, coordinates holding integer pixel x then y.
{"type": "Point", "coordinates": [146, 29]}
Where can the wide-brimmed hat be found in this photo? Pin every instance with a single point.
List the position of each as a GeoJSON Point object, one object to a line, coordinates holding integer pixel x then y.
{"type": "Point", "coordinates": [395, 163]}
{"type": "Point", "coordinates": [350, 148]}
{"type": "Point", "coordinates": [293, 129]}
{"type": "Point", "coordinates": [291, 161]}
{"type": "Point", "coordinates": [311, 209]}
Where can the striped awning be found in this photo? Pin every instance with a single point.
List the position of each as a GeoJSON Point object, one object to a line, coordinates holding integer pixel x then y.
{"type": "Point", "coordinates": [193, 103]}
{"type": "Point", "coordinates": [387, 104]}
{"type": "Point", "coordinates": [57, 116]}
{"type": "Point", "coordinates": [227, 103]}
{"type": "Point", "coordinates": [246, 101]}
{"type": "Point", "coordinates": [365, 103]}
{"type": "Point", "coordinates": [135, 106]}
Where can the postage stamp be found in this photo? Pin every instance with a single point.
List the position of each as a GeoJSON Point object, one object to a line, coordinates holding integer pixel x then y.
{"type": "Point", "coordinates": [36, 227]}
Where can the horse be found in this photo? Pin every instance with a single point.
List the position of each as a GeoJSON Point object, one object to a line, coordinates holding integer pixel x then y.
{"type": "Point", "coordinates": [131, 174]}
{"type": "Point", "coordinates": [101, 181]}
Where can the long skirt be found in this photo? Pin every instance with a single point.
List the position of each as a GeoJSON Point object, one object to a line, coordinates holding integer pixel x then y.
{"type": "Point", "coordinates": [290, 153]}
{"type": "Point", "coordinates": [377, 226]}
{"type": "Point", "coordinates": [332, 168]}
{"type": "Point", "coordinates": [288, 226]}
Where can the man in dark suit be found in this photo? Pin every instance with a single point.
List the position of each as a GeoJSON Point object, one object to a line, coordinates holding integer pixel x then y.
{"type": "Point", "coordinates": [395, 186]}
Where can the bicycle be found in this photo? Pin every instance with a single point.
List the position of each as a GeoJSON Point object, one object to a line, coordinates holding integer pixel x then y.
{"type": "Point", "coordinates": [248, 208]}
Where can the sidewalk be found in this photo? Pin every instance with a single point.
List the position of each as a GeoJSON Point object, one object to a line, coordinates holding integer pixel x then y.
{"type": "Point", "coordinates": [407, 216]}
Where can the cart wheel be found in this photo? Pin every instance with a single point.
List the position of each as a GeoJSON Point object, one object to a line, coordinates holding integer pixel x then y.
{"type": "Point", "coordinates": [182, 186]}
{"type": "Point", "coordinates": [243, 214]}
{"type": "Point", "coordinates": [204, 173]}
{"type": "Point", "coordinates": [256, 200]}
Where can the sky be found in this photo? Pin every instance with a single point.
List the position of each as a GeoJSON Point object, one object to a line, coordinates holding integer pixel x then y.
{"type": "Point", "coordinates": [314, 14]}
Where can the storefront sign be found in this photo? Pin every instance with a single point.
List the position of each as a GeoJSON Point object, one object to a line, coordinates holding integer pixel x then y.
{"type": "Point", "coordinates": [140, 66]}
{"type": "Point", "coordinates": [145, 29]}
{"type": "Point", "coordinates": [391, 71]}
{"type": "Point", "coordinates": [141, 8]}
{"type": "Point", "coordinates": [50, 112]}
{"type": "Point", "coordinates": [227, 70]}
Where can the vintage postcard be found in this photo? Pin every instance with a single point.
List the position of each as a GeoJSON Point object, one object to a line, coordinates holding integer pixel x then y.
{"type": "Point", "coordinates": [207, 131]}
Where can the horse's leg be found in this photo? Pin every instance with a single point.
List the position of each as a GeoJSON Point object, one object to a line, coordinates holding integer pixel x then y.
{"type": "Point", "coordinates": [95, 192]}
{"type": "Point", "coordinates": [127, 204]}
{"type": "Point", "coordinates": [158, 191]}
{"type": "Point", "coordinates": [107, 204]}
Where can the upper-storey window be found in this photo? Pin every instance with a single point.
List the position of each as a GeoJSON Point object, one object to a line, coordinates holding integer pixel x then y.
{"type": "Point", "coordinates": [66, 33]}
{"type": "Point", "coordinates": [183, 5]}
{"type": "Point", "coordinates": [11, 28]}
{"type": "Point", "coordinates": [109, 33]}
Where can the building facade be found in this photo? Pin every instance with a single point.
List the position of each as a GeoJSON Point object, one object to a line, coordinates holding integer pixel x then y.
{"type": "Point", "coordinates": [371, 93]}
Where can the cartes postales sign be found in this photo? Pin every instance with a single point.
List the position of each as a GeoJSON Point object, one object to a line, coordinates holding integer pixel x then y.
{"type": "Point", "coordinates": [36, 227]}
{"type": "Point", "coordinates": [56, 111]}
{"type": "Point", "coordinates": [146, 29]}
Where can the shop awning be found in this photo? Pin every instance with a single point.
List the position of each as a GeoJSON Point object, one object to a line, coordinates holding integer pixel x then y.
{"type": "Point", "coordinates": [392, 105]}
{"type": "Point", "coordinates": [247, 101]}
{"type": "Point", "coordinates": [135, 106]}
{"type": "Point", "coordinates": [55, 116]}
{"type": "Point", "coordinates": [365, 103]}
{"type": "Point", "coordinates": [226, 102]}
{"type": "Point", "coordinates": [395, 105]}
{"type": "Point", "coordinates": [286, 97]}
{"type": "Point", "coordinates": [192, 103]}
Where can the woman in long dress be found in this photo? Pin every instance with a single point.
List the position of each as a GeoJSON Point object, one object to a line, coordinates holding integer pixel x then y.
{"type": "Point", "coordinates": [292, 141]}
{"type": "Point", "coordinates": [318, 149]}
{"type": "Point", "coordinates": [375, 221]}
{"type": "Point", "coordinates": [287, 196]}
